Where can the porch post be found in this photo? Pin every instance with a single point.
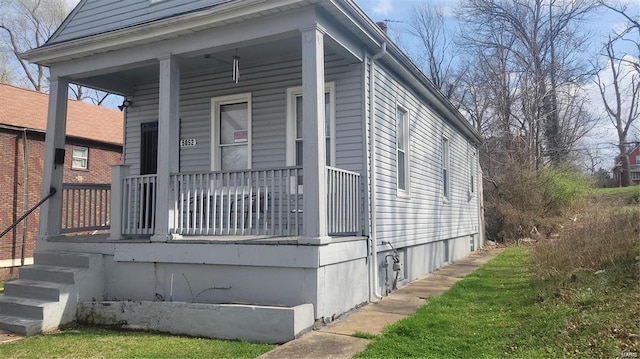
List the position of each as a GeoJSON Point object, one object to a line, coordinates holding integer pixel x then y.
{"type": "Point", "coordinates": [118, 173]}
{"type": "Point", "coordinates": [51, 211]}
{"type": "Point", "coordinates": [314, 202]}
{"type": "Point", "coordinates": [168, 137]}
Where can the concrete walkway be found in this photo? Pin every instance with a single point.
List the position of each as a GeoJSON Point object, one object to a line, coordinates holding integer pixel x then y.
{"type": "Point", "coordinates": [336, 340]}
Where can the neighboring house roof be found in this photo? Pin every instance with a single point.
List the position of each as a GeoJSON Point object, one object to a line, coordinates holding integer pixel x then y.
{"type": "Point", "coordinates": [25, 108]}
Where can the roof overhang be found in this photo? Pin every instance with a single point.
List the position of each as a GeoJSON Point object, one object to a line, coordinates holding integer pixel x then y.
{"type": "Point", "coordinates": [158, 30]}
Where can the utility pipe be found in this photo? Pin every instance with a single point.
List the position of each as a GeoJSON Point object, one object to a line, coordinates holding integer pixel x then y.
{"type": "Point", "coordinates": [374, 294]}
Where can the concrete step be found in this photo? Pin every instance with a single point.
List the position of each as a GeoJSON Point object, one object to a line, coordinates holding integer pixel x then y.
{"type": "Point", "coordinates": [20, 326]}
{"type": "Point", "coordinates": [44, 273]}
{"type": "Point", "coordinates": [22, 288]}
{"type": "Point", "coordinates": [22, 307]}
{"type": "Point", "coordinates": [62, 259]}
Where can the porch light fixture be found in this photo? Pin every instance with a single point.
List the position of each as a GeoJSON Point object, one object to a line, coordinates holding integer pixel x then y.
{"type": "Point", "coordinates": [125, 104]}
{"type": "Point", "coordinates": [236, 67]}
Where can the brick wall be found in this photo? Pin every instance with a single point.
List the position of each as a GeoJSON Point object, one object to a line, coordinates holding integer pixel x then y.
{"type": "Point", "coordinates": [100, 160]}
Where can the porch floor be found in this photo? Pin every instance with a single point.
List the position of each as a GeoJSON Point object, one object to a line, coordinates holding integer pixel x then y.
{"type": "Point", "coordinates": [254, 239]}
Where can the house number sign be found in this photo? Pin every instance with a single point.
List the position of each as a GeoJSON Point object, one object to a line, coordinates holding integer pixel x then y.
{"type": "Point", "coordinates": [188, 142]}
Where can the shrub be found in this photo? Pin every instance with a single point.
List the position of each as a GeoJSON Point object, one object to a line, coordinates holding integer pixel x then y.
{"type": "Point", "coordinates": [564, 186]}
{"type": "Point", "coordinates": [603, 243]}
{"type": "Point", "coordinates": [522, 202]}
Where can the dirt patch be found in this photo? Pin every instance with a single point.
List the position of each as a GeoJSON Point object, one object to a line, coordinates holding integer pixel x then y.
{"type": "Point", "coordinates": [6, 337]}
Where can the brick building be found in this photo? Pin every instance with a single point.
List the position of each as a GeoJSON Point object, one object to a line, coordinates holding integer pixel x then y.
{"type": "Point", "coordinates": [93, 145]}
{"type": "Point", "coordinates": [634, 166]}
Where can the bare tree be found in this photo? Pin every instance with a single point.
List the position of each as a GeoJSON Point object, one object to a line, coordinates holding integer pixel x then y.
{"type": "Point", "coordinates": [26, 24]}
{"type": "Point", "coordinates": [436, 53]}
{"type": "Point", "coordinates": [631, 31]}
{"type": "Point", "coordinates": [5, 73]}
{"type": "Point", "coordinates": [545, 51]}
{"type": "Point", "coordinates": [621, 99]}
{"type": "Point", "coordinates": [81, 93]}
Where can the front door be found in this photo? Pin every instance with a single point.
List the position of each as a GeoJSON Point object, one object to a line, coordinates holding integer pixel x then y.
{"type": "Point", "coordinates": [148, 166]}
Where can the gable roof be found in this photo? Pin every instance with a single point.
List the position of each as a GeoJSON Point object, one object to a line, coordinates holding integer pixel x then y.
{"type": "Point", "coordinates": [27, 109]}
{"type": "Point", "coordinates": [91, 17]}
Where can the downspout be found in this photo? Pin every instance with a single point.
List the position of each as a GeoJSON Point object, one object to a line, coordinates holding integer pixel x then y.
{"type": "Point", "coordinates": [373, 271]}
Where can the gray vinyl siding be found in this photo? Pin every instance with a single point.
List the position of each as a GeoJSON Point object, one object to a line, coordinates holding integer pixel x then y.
{"type": "Point", "coordinates": [268, 87]}
{"type": "Point", "coordinates": [424, 215]}
{"type": "Point", "coordinates": [97, 16]}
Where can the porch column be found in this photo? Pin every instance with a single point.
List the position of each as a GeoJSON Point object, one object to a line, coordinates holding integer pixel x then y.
{"type": "Point", "coordinates": [118, 173]}
{"type": "Point", "coordinates": [168, 137]}
{"type": "Point", "coordinates": [314, 203]}
{"type": "Point", "coordinates": [51, 211]}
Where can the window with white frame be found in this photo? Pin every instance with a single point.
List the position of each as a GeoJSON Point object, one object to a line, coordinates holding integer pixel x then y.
{"type": "Point", "coordinates": [472, 171]}
{"type": "Point", "coordinates": [231, 133]}
{"type": "Point", "coordinates": [295, 125]}
{"type": "Point", "coordinates": [402, 149]}
{"type": "Point", "coordinates": [80, 158]}
{"type": "Point", "coordinates": [445, 168]}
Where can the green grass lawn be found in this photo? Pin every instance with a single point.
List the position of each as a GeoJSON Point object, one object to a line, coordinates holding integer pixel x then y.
{"type": "Point", "coordinates": [91, 342]}
{"type": "Point", "coordinates": [631, 190]}
{"type": "Point", "coordinates": [498, 311]}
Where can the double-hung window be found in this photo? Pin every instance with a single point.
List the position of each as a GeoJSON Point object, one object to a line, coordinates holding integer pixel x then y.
{"type": "Point", "coordinates": [80, 158]}
{"type": "Point", "coordinates": [472, 171]}
{"type": "Point", "coordinates": [446, 190]}
{"type": "Point", "coordinates": [295, 126]}
{"type": "Point", "coordinates": [231, 133]}
{"type": "Point", "coordinates": [402, 150]}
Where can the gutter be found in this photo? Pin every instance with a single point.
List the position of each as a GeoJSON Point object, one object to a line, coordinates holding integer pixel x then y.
{"type": "Point", "coordinates": [373, 269]}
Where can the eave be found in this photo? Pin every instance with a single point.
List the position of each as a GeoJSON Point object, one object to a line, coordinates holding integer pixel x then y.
{"type": "Point", "coordinates": [158, 30]}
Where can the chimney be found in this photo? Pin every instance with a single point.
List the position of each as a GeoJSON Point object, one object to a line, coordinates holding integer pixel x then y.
{"type": "Point", "coordinates": [382, 25]}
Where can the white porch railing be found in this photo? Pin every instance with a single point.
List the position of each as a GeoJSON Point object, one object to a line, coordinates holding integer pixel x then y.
{"type": "Point", "coordinates": [250, 202]}
{"type": "Point", "coordinates": [343, 202]}
{"type": "Point", "coordinates": [85, 207]}
{"type": "Point", "coordinates": [138, 205]}
{"type": "Point", "coordinates": [237, 203]}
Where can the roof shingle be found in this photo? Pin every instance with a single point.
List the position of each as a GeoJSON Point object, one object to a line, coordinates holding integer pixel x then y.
{"type": "Point", "coordinates": [28, 109]}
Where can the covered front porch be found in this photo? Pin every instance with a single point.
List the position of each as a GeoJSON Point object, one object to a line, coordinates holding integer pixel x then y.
{"type": "Point", "coordinates": [261, 133]}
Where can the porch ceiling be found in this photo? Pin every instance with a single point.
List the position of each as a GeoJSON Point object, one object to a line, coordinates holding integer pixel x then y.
{"type": "Point", "coordinates": [214, 60]}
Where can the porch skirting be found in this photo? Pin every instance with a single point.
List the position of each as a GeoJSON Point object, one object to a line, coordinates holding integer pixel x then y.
{"type": "Point", "coordinates": [263, 272]}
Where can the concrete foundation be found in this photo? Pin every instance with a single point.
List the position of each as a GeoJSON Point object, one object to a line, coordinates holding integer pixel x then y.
{"type": "Point", "coordinates": [225, 321]}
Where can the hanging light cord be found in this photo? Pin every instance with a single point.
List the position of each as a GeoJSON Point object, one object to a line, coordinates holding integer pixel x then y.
{"type": "Point", "coordinates": [236, 68]}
